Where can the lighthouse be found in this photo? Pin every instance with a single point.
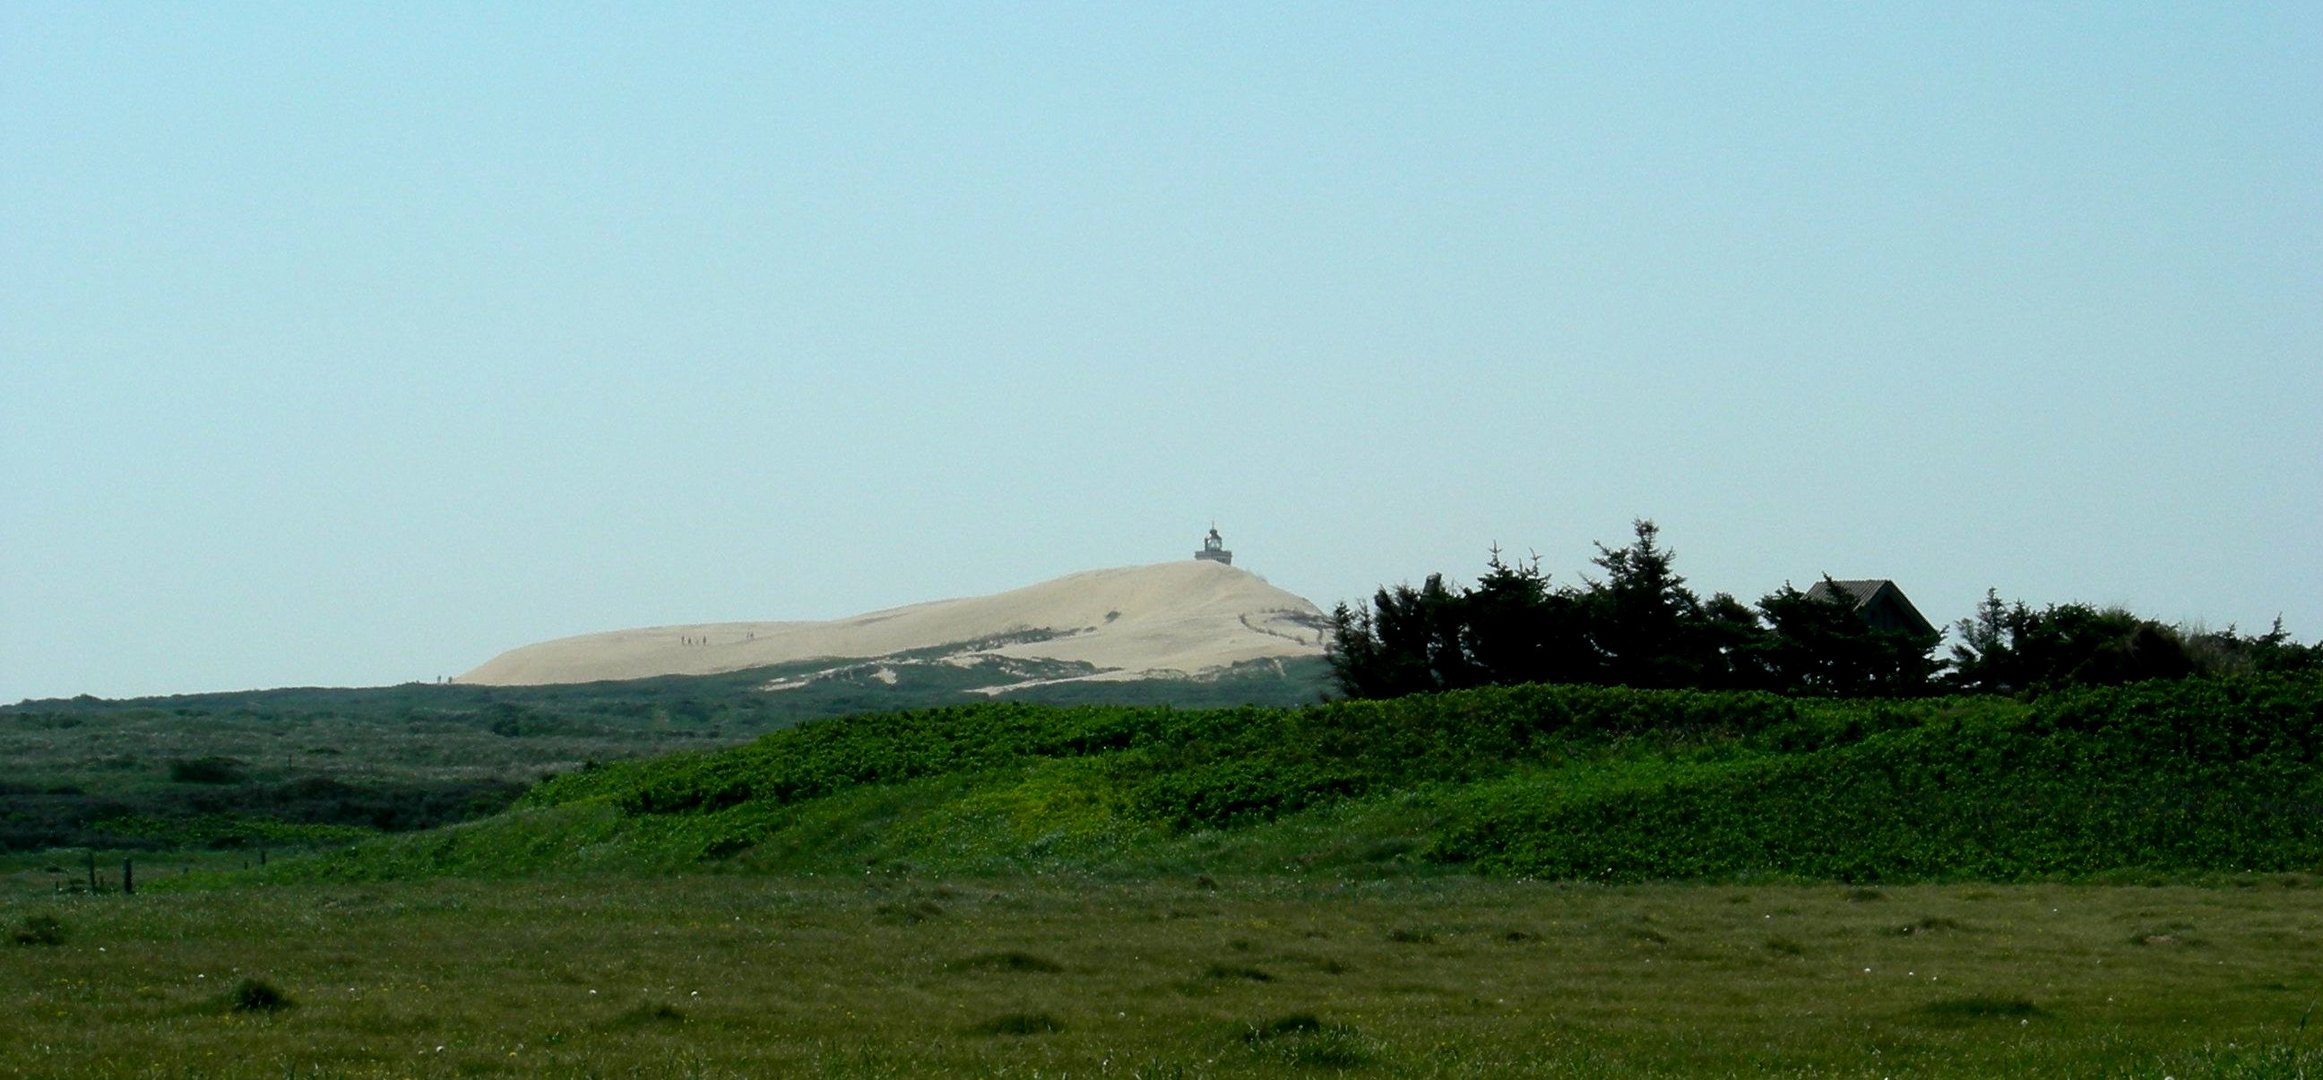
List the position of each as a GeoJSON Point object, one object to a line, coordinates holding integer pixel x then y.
{"type": "Point", "coordinates": [1214, 549]}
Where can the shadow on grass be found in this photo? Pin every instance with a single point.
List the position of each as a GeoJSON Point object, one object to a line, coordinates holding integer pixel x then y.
{"type": "Point", "coordinates": [650, 1015]}
{"type": "Point", "coordinates": [1926, 925]}
{"type": "Point", "coordinates": [1017, 1024]}
{"type": "Point", "coordinates": [1009, 960]}
{"type": "Point", "coordinates": [1983, 1007]}
{"type": "Point", "coordinates": [1302, 1040]}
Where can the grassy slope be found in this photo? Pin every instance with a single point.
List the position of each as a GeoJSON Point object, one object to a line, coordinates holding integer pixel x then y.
{"type": "Point", "coordinates": [1561, 782]}
{"type": "Point", "coordinates": [314, 764]}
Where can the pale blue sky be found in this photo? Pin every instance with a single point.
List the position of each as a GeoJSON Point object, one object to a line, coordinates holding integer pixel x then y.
{"type": "Point", "coordinates": [351, 344]}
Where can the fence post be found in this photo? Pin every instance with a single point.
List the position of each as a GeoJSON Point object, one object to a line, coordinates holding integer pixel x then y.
{"type": "Point", "coordinates": [128, 878]}
{"type": "Point", "coordinates": [92, 871]}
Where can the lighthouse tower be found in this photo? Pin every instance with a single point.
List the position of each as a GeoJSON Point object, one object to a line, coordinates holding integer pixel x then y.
{"type": "Point", "coordinates": [1214, 549]}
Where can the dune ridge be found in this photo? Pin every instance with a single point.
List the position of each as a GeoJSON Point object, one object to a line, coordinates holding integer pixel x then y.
{"type": "Point", "coordinates": [1176, 619]}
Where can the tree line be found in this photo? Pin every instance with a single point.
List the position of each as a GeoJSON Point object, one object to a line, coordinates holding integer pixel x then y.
{"type": "Point", "coordinates": [1637, 624]}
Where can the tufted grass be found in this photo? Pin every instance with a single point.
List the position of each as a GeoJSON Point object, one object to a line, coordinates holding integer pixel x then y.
{"type": "Point", "coordinates": [730, 976]}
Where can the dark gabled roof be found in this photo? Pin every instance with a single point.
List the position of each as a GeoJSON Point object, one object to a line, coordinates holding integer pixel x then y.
{"type": "Point", "coordinates": [1878, 601]}
{"type": "Point", "coordinates": [1859, 591]}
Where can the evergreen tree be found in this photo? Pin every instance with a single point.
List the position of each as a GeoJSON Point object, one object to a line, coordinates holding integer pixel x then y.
{"type": "Point", "coordinates": [1409, 642]}
{"type": "Point", "coordinates": [1520, 629]}
{"type": "Point", "coordinates": [1643, 622]}
{"type": "Point", "coordinates": [1736, 647]}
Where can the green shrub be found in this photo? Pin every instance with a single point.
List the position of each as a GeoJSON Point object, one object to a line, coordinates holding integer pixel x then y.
{"type": "Point", "coordinates": [38, 928]}
{"type": "Point", "coordinates": [257, 996]}
{"type": "Point", "coordinates": [207, 770]}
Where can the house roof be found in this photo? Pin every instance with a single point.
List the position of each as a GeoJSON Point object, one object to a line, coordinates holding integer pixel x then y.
{"type": "Point", "coordinates": [1878, 601]}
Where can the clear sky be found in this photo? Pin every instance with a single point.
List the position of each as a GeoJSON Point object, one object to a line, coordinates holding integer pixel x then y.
{"type": "Point", "coordinates": [352, 344]}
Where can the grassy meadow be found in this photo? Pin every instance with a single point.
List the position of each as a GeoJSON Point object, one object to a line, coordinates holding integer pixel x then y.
{"type": "Point", "coordinates": [1529, 881]}
{"type": "Point", "coordinates": [710, 975]}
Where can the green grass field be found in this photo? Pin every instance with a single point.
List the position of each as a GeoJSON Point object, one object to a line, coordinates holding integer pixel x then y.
{"type": "Point", "coordinates": [1532, 881]}
{"type": "Point", "coordinates": [709, 975]}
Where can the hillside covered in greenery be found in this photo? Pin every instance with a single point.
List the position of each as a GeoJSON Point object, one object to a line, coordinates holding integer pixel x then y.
{"type": "Point", "coordinates": [323, 765]}
{"type": "Point", "coordinates": [2170, 778]}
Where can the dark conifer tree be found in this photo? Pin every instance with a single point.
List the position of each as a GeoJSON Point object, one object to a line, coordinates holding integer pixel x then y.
{"type": "Point", "coordinates": [1521, 629]}
{"type": "Point", "coordinates": [1409, 642]}
{"type": "Point", "coordinates": [1643, 621]}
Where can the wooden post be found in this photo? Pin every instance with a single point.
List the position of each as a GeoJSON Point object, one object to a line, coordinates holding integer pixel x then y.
{"type": "Point", "coordinates": [92, 871]}
{"type": "Point", "coordinates": [128, 878]}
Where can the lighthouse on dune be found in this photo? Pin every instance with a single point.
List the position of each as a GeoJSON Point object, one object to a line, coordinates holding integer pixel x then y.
{"type": "Point", "coordinates": [1214, 549]}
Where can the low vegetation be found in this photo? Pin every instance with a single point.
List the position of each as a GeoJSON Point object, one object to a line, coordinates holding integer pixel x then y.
{"type": "Point", "coordinates": [2176, 779]}
{"type": "Point", "coordinates": [1574, 880]}
{"type": "Point", "coordinates": [301, 768]}
{"type": "Point", "coordinates": [721, 977]}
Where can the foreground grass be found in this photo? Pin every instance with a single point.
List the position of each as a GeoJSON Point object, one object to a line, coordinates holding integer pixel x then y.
{"type": "Point", "coordinates": [714, 976]}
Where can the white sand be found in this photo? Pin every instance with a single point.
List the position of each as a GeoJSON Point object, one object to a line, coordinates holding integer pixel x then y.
{"type": "Point", "coordinates": [1177, 618]}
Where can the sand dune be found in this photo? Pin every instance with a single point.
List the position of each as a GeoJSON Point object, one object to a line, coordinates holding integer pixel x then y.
{"type": "Point", "coordinates": [1178, 618]}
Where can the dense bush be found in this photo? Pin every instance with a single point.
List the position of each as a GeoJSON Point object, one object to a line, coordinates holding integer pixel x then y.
{"type": "Point", "coordinates": [2190, 776]}
{"type": "Point", "coordinates": [2017, 648]}
{"type": "Point", "coordinates": [237, 814]}
{"type": "Point", "coordinates": [207, 770]}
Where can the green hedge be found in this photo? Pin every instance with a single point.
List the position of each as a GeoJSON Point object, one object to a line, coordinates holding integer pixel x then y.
{"type": "Point", "coordinates": [2174, 777]}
